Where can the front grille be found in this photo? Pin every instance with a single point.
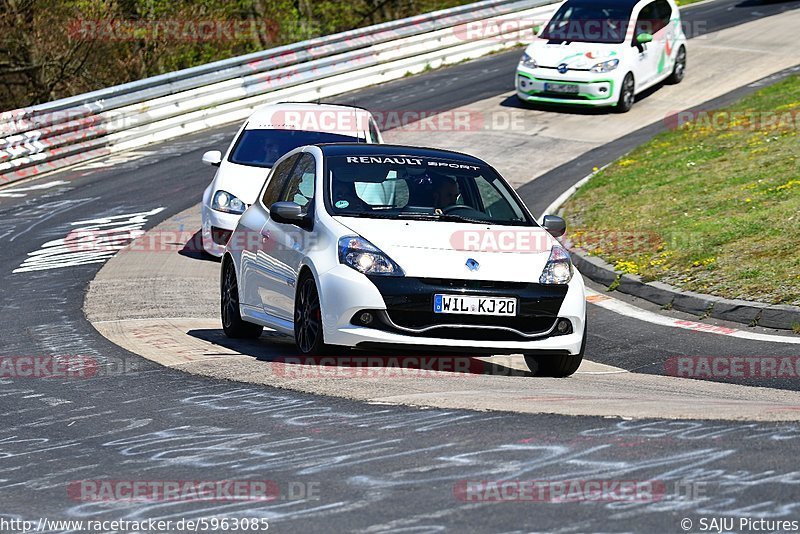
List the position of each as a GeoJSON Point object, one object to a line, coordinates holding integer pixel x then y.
{"type": "Point", "coordinates": [570, 70]}
{"type": "Point", "coordinates": [562, 96]}
{"type": "Point", "coordinates": [471, 334]}
{"type": "Point", "coordinates": [409, 305]}
{"type": "Point", "coordinates": [417, 320]}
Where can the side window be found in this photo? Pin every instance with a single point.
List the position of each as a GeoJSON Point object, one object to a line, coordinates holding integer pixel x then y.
{"type": "Point", "coordinates": [374, 135]}
{"type": "Point", "coordinates": [647, 21]}
{"type": "Point", "coordinates": [277, 180]}
{"type": "Point", "coordinates": [497, 203]}
{"type": "Point", "coordinates": [300, 188]}
{"type": "Point", "coordinates": [664, 13]}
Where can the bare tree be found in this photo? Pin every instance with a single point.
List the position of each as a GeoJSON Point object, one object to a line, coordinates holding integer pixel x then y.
{"type": "Point", "coordinates": [39, 61]}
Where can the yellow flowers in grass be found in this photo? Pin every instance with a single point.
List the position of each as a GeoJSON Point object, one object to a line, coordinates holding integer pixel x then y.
{"type": "Point", "coordinates": [627, 267]}
{"type": "Point", "coordinates": [704, 263]}
{"type": "Point", "coordinates": [788, 185]}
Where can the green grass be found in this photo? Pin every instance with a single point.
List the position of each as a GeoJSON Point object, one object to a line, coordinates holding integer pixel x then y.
{"type": "Point", "coordinates": [709, 208]}
{"type": "Point", "coordinates": [687, 2]}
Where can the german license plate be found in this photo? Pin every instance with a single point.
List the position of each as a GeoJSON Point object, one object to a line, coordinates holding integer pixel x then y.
{"type": "Point", "coordinates": [566, 88]}
{"type": "Point", "coordinates": [470, 305]}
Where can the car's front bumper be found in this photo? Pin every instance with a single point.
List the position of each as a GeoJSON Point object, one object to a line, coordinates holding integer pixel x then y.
{"type": "Point", "coordinates": [593, 89]}
{"type": "Point", "coordinates": [217, 225]}
{"type": "Point", "coordinates": [346, 293]}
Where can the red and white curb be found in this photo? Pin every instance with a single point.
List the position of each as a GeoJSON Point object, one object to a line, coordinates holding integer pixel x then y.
{"type": "Point", "coordinates": [629, 310]}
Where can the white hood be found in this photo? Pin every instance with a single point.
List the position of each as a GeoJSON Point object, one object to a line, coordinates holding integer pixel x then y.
{"type": "Point", "coordinates": [242, 181]}
{"type": "Point", "coordinates": [434, 249]}
{"type": "Point", "coordinates": [576, 55]}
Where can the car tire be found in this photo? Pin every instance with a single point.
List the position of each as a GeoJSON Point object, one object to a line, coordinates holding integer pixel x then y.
{"type": "Point", "coordinates": [308, 332]}
{"type": "Point", "coordinates": [232, 322]}
{"type": "Point", "coordinates": [561, 366]}
{"type": "Point", "coordinates": [627, 94]}
{"type": "Point", "coordinates": [679, 70]}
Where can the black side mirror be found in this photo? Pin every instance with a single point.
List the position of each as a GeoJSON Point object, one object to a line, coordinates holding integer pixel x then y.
{"type": "Point", "coordinates": [289, 213]}
{"type": "Point", "coordinates": [555, 226]}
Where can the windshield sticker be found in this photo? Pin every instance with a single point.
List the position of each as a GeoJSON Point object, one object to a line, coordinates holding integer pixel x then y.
{"type": "Point", "coordinates": [408, 161]}
{"type": "Point", "coordinates": [383, 159]}
{"type": "Point", "coordinates": [341, 204]}
{"type": "Point", "coordinates": [451, 165]}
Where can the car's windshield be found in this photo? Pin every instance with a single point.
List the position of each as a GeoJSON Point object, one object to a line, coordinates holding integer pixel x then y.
{"type": "Point", "coordinates": [409, 187]}
{"type": "Point", "coordinates": [589, 21]}
{"type": "Point", "coordinates": [262, 148]}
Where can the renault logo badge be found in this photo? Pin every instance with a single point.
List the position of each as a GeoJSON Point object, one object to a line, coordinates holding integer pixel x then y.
{"type": "Point", "coordinates": [473, 265]}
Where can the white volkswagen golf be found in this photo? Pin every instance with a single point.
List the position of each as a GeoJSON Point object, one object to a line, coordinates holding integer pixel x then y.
{"type": "Point", "coordinates": [378, 246]}
{"type": "Point", "coordinates": [269, 133]}
{"type": "Point", "coordinates": [603, 53]}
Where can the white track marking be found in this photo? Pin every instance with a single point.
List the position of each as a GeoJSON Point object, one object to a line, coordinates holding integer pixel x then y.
{"type": "Point", "coordinates": [115, 160]}
{"type": "Point", "coordinates": [629, 310]}
{"type": "Point", "coordinates": [90, 241]}
{"type": "Point", "coordinates": [18, 192]}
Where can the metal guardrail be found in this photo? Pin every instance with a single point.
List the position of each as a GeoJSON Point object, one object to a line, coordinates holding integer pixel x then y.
{"type": "Point", "coordinates": [73, 130]}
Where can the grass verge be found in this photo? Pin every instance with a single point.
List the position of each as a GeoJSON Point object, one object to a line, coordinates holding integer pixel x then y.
{"type": "Point", "coordinates": [713, 205]}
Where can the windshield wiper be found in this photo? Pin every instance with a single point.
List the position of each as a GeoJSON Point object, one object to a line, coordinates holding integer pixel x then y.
{"type": "Point", "coordinates": [448, 217]}
{"type": "Point", "coordinates": [417, 216]}
{"type": "Point", "coordinates": [460, 218]}
{"type": "Point", "coordinates": [365, 215]}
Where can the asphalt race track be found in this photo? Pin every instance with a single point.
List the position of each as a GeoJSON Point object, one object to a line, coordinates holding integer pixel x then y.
{"type": "Point", "coordinates": [347, 465]}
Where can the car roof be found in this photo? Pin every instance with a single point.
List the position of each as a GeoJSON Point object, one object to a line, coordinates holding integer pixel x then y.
{"type": "Point", "coordinates": [362, 149]}
{"type": "Point", "coordinates": [348, 120]}
{"type": "Point", "coordinates": [610, 3]}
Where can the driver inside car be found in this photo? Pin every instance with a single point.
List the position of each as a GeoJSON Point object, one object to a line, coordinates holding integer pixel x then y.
{"type": "Point", "coordinates": [445, 194]}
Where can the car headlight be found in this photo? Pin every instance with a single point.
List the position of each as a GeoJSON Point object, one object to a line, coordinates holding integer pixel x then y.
{"type": "Point", "coordinates": [559, 267]}
{"type": "Point", "coordinates": [528, 61]}
{"type": "Point", "coordinates": [224, 201]}
{"type": "Point", "coordinates": [366, 258]}
{"type": "Point", "coordinates": [606, 66]}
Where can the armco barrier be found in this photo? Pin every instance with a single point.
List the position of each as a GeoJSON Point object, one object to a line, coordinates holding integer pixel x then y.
{"type": "Point", "coordinates": [64, 132]}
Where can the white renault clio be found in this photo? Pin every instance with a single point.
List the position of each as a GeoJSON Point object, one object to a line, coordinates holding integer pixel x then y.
{"type": "Point", "coordinates": [269, 133]}
{"type": "Point", "coordinates": [378, 246]}
{"type": "Point", "coordinates": [605, 53]}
